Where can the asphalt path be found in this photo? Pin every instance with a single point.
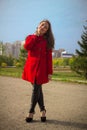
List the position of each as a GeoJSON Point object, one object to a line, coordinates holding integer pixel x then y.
{"type": "Point", "coordinates": [66, 105]}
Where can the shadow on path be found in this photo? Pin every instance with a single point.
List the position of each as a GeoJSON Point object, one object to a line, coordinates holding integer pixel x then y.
{"type": "Point", "coordinates": [67, 123]}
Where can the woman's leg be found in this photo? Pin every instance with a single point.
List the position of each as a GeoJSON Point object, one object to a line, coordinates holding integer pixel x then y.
{"type": "Point", "coordinates": [41, 99]}
{"type": "Point", "coordinates": [35, 97]}
{"type": "Point", "coordinates": [41, 105]}
{"type": "Point", "coordinates": [34, 100]}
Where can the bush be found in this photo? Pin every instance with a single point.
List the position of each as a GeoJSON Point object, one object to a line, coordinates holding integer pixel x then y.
{"type": "Point", "coordinates": [79, 65]}
{"type": "Point", "coordinates": [61, 62]}
{"type": "Point", "coordinates": [5, 59]}
{"type": "Point", "coordinates": [3, 64]}
{"type": "Point", "coordinates": [55, 62]}
{"type": "Point", "coordinates": [18, 64]}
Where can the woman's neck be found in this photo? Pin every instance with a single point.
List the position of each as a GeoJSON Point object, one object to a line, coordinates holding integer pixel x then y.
{"type": "Point", "coordinates": [36, 33]}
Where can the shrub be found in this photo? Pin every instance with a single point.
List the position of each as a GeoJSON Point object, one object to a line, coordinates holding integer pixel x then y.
{"type": "Point", "coordinates": [3, 64]}
{"type": "Point", "coordinates": [18, 64]}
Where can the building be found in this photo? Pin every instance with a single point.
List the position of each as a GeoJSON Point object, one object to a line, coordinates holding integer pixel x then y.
{"type": "Point", "coordinates": [57, 53]}
{"type": "Point", "coordinates": [12, 49]}
{"type": "Point", "coordinates": [64, 54]}
{"type": "Point", "coordinates": [16, 49]}
{"type": "Point", "coordinates": [7, 49]}
{"type": "Point", "coordinates": [61, 53]}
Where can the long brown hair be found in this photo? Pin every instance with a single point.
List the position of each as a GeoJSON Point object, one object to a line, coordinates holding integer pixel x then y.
{"type": "Point", "coordinates": [49, 35]}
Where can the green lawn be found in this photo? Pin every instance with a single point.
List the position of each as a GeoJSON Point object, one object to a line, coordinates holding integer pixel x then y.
{"type": "Point", "coordinates": [67, 76]}
{"type": "Point", "coordinates": [13, 72]}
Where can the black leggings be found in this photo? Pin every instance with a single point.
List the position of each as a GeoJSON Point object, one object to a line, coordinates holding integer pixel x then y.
{"type": "Point", "coordinates": [37, 97]}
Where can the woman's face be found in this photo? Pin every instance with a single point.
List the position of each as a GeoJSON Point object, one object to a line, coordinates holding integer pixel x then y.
{"type": "Point", "coordinates": [42, 28]}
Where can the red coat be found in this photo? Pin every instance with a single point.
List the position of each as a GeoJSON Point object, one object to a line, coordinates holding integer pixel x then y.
{"type": "Point", "coordinates": [39, 61]}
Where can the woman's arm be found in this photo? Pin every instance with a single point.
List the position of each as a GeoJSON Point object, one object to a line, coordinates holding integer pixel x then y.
{"type": "Point", "coordinates": [29, 42]}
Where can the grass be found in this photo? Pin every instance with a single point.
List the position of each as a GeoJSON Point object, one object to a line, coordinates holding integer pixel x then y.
{"type": "Point", "coordinates": [13, 72]}
{"type": "Point", "coordinates": [67, 76]}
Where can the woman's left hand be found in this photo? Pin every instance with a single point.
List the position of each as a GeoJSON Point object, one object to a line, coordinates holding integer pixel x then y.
{"type": "Point", "coordinates": [49, 76]}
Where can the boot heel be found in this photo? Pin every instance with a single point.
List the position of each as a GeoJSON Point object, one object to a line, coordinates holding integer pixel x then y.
{"type": "Point", "coordinates": [29, 118]}
{"type": "Point", "coordinates": [43, 119]}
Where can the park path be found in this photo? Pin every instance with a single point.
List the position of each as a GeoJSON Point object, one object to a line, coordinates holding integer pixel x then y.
{"type": "Point", "coordinates": [66, 105]}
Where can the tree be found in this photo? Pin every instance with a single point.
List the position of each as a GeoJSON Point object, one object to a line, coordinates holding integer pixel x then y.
{"type": "Point", "coordinates": [79, 63]}
{"type": "Point", "coordinates": [5, 59]}
{"type": "Point", "coordinates": [22, 56]}
{"type": "Point", "coordinates": [83, 44]}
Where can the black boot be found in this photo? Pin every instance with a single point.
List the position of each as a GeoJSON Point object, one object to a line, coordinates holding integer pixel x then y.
{"type": "Point", "coordinates": [43, 117]}
{"type": "Point", "coordinates": [29, 118]}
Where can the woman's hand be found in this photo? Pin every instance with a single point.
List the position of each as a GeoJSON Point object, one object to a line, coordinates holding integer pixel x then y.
{"type": "Point", "coordinates": [49, 76]}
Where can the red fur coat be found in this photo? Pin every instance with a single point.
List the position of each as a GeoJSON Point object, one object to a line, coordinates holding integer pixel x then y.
{"type": "Point", "coordinates": [39, 61]}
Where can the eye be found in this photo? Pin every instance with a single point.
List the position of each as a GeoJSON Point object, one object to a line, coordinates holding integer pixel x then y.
{"type": "Point", "coordinates": [42, 24]}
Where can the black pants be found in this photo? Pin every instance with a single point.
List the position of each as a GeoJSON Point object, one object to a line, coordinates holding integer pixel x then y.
{"type": "Point", "coordinates": [37, 97]}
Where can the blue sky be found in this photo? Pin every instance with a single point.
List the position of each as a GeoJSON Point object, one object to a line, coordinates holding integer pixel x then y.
{"type": "Point", "coordinates": [19, 18]}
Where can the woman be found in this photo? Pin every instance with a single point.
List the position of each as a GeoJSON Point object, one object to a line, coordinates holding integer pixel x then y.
{"type": "Point", "coordinates": [38, 66]}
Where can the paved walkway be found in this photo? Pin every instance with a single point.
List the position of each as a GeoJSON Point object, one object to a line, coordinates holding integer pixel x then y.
{"type": "Point", "coordinates": [66, 105]}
